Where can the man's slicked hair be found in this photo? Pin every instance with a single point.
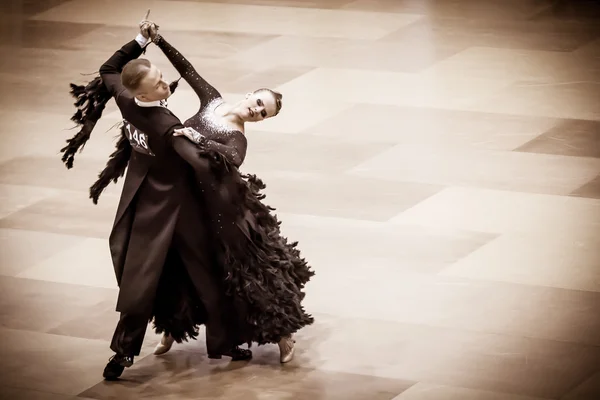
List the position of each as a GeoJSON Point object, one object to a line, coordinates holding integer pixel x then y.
{"type": "Point", "coordinates": [133, 73]}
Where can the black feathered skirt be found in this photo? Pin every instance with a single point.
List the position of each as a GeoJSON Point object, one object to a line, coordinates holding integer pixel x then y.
{"type": "Point", "coordinates": [263, 274]}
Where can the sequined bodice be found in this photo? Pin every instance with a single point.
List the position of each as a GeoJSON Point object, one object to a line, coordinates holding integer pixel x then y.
{"type": "Point", "coordinates": [206, 122]}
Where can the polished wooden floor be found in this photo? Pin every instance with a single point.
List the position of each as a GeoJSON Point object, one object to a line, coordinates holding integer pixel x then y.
{"type": "Point", "coordinates": [438, 160]}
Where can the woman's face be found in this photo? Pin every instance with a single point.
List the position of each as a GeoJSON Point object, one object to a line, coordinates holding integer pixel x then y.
{"type": "Point", "coordinates": [258, 106]}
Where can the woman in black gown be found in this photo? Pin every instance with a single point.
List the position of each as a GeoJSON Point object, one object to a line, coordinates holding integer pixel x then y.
{"type": "Point", "coordinates": [264, 274]}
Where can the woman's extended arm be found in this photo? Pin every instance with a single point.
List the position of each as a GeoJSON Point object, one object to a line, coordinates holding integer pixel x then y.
{"type": "Point", "coordinates": [203, 89]}
{"type": "Point", "coordinates": [234, 150]}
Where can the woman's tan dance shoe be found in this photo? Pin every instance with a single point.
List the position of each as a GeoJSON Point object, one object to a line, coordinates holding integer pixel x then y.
{"type": "Point", "coordinates": [165, 345]}
{"type": "Point", "coordinates": [286, 349]}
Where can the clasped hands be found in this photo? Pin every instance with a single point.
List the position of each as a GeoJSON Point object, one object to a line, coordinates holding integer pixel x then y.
{"type": "Point", "coordinates": [148, 29]}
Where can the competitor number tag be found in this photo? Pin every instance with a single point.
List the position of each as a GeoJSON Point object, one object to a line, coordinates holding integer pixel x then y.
{"type": "Point", "coordinates": [137, 139]}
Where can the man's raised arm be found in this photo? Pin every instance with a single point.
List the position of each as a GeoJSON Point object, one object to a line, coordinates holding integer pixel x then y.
{"type": "Point", "coordinates": [110, 71]}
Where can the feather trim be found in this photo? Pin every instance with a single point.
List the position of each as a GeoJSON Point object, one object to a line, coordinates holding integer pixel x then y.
{"type": "Point", "coordinates": [115, 167]}
{"type": "Point", "coordinates": [90, 102]}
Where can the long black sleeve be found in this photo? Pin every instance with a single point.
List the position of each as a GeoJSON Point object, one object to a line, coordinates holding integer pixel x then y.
{"type": "Point", "coordinates": [203, 89]}
{"type": "Point", "coordinates": [234, 150]}
{"type": "Point", "coordinates": [110, 71]}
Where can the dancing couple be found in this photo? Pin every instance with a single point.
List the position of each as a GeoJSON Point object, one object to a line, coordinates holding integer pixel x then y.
{"type": "Point", "coordinates": [192, 243]}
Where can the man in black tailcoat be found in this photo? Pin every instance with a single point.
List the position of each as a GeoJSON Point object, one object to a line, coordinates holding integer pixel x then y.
{"type": "Point", "coordinates": [158, 212]}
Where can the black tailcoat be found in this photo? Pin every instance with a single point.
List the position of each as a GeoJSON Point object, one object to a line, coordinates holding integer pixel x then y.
{"type": "Point", "coordinates": [158, 192]}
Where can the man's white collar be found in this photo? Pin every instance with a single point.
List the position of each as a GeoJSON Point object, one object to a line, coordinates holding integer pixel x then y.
{"type": "Point", "coordinates": [156, 103]}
